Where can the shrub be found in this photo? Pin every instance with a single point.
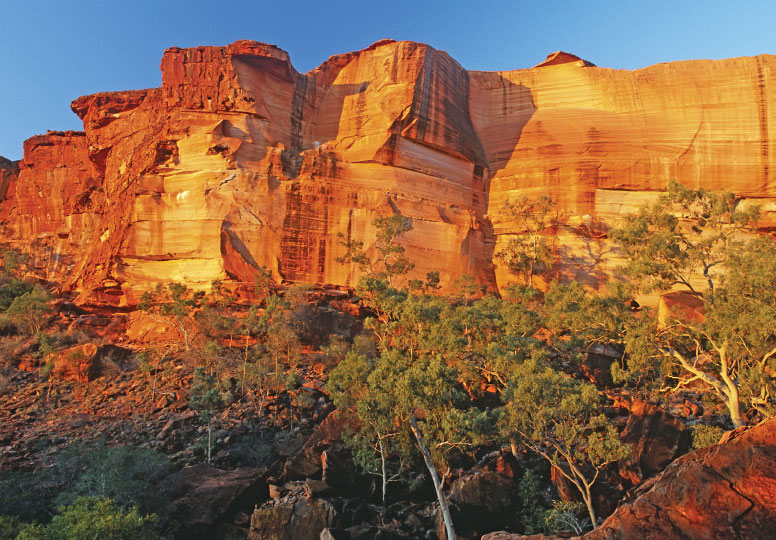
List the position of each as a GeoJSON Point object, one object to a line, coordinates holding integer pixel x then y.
{"type": "Point", "coordinates": [95, 517]}
{"type": "Point", "coordinates": [705, 435]}
{"type": "Point", "coordinates": [30, 311]}
{"type": "Point", "coordinates": [9, 527]}
{"type": "Point", "coordinates": [533, 514]}
{"type": "Point", "coordinates": [566, 516]}
{"type": "Point", "coordinates": [12, 289]}
{"type": "Point", "coordinates": [123, 473]}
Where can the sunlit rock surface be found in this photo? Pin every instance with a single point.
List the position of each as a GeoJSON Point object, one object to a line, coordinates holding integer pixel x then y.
{"type": "Point", "coordinates": [721, 491]}
{"type": "Point", "coordinates": [239, 161]}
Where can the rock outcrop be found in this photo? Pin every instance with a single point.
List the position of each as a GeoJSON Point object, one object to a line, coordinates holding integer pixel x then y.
{"type": "Point", "coordinates": [722, 491]}
{"type": "Point", "coordinates": [9, 172]}
{"type": "Point", "coordinates": [214, 503]}
{"type": "Point", "coordinates": [239, 161]}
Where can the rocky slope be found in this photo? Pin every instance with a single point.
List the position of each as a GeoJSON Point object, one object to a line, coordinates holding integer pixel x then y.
{"type": "Point", "coordinates": [722, 491]}
{"type": "Point", "coordinates": [239, 161]}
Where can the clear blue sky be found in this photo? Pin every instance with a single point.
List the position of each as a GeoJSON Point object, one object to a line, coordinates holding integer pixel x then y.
{"type": "Point", "coordinates": [52, 51]}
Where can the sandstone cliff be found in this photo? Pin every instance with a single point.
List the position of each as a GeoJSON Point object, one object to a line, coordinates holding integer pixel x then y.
{"type": "Point", "coordinates": [239, 161]}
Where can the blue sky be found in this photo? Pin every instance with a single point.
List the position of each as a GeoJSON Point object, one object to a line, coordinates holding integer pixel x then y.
{"type": "Point", "coordinates": [52, 51]}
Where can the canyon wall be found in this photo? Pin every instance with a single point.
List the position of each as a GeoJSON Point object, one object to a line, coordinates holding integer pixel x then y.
{"type": "Point", "coordinates": [603, 142]}
{"type": "Point", "coordinates": [238, 161]}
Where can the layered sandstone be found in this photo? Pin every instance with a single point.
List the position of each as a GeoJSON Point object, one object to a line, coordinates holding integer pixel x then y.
{"type": "Point", "coordinates": [239, 161]}
{"type": "Point", "coordinates": [9, 171]}
{"type": "Point", "coordinates": [603, 142]}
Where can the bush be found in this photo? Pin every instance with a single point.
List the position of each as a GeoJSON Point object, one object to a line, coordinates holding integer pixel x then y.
{"type": "Point", "coordinates": [705, 435]}
{"type": "Point", "coordinates": [9, 527]}
{"type": "Point", "coordinates": [533, 514]}
{"type": "Point", "coordinates": [12, 289]}
{"type": "Point", "coordinates": [31, 310]}
{"type": "Point", "coordinates": [123, 473]}
{"type": "Point", "coordinates": [566, 516]}
{"type": "Point", "coordinates": [93, 518]}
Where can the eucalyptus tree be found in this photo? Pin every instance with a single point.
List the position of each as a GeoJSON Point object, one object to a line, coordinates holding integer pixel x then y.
{"type": "Point", "coordinates": [559, 418]}
{"type": "Point", "coordinates": [691, 237]}
{"type": "Point", "coordinates": [529, 251]}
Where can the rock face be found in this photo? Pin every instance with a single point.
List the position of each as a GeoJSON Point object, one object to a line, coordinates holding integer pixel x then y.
{"type": "Point", "coordinates": [212, 503]}
{"type": "Point", "coordinates": [9, 172]}
{"type": "Point", "coordinates": [302, 519]}
{"type": "Point", "coordinates": [656, 439]}
{"type": "Point", "coordinates": [238, 161]}
{"type": "Point", "coordinates": [722, 491]}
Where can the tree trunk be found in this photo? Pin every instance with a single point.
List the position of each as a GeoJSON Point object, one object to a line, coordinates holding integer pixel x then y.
{"type": "Point", "coordinates": [209, 439]}
{"type": "Point", "coordinates": [589, 503]}
{"type": "Point", "coordinates": [185, 333]}
{"type": "Point", "coordinates": [734, 407]}
{"type": "Point", "coordinates": [443, 506]}
{"type": "Point", "coordinates": [382, 464]}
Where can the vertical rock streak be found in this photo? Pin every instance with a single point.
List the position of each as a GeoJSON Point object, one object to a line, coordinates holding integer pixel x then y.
{"type": "Point", "coordinates": [238, 161]}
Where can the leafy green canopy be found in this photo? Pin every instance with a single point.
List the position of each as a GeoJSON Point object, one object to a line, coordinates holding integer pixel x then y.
{"type": "Point", "coordinates": [85, 519]}
{"type": "Point", "coordinates": [559, 418]}
{"type": "Point", "coordinates": [682, 238]}
{"type": "Point", "coordinates": [529, 252]}
{"type": "Point", "coordinates": [693, 237]}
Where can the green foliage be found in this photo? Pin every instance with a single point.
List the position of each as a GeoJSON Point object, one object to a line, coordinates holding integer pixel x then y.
{"type": "Point", "coordinates": [13, 259]}
{"type": "Point", "coordinates": [123, 473]}
{"type": "Point", "coordinates": [211, 354]}
{"type": "Point", "coordinates": [11, 289]}
{"type": "Point", "coordinates": [485, 339]}
{"type": "Point", "coordinates": [389, 261]}
{"type": "Point", "coordinates": [732, 352]}
{"type": "Point", "coordinates": [687, 238]}
{"type": "Point", "coordinates": [46, 345]}
{"type": "Point", "coordinates": [263, 376]}
{"type": "Point", "coordinates": [533, 514]}
{"type": "Point", "coordinates": [558, 417]}
{"type": "Point", "coordinates": [264, 284]}
{"type": "Point", "coordinates": [335, 351]}
{"type": "Point", "coordinates": [120, 473]}
{"type": "Point", "coordinates": [394, 262]}
{"type": "Point", "coordinates": [404, 389]}
{"type": "Point", "coordinates": [681, 239]}
{"type": "Point", "coordinates": [9, 527]}
{"type": "Point", "coordinates": [31, 310]}
{"type": "Point", "coordinates": [205, 396]}
{"type": "Point", "coordinates": [586, 319]}
{"type": "Point", "coordinates": [274, 329]}
{"type": "Point", "coordinates": [529, 252]}
{"type": "Point", "coordinates": [207, 399]}
{"type": "Point", "coordinates": [92, 518]}
{"type": "Point", "coordinates": [705, 435]}
{"type": "Point", "coordinates": [430, 285]}
{"type": "Point", "coordinates": [566, 516]}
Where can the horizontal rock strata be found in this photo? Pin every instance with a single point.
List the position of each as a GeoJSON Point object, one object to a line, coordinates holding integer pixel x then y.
{"type": "Point", "coordinates": [238, 161]}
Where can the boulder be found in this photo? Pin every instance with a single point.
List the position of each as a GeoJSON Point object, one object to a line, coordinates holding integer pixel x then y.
{"type": "Point", "coordinates": [301, 518]}
{"type": "Point", "coordinates": [657, 438]}
{"type": "Point", "coordinates": [722, 491]}
{"type": "Point", "coordinates": [306, 463]}
{"type": "Point", "coordinates": [78, 364]}
{"type": "Point", "coordinates": [207, 499]}
{"type": "Point", "coordinates": [84, 363]}
{"type": "Point", "coordinates": [483, 501]}
{"type": "Point", "coordinates": [339, 471]}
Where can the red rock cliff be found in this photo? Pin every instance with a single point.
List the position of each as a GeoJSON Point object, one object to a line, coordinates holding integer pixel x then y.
{"type": "Point", "coordinates": [238, 161]}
